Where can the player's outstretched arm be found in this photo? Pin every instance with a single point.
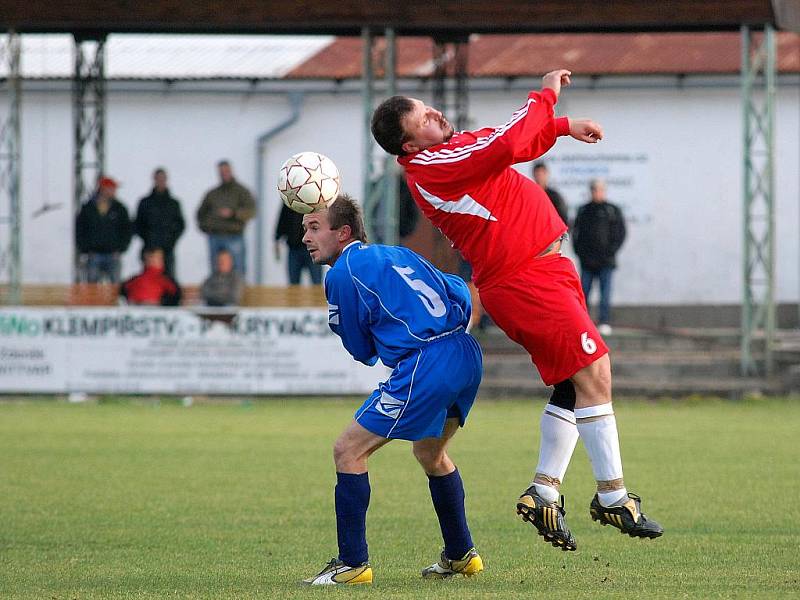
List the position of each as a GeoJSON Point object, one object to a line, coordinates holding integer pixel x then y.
{"type": "Point", "coordinates": [555, 79]}
{"type": "Point", "coordinates": [585, 130]}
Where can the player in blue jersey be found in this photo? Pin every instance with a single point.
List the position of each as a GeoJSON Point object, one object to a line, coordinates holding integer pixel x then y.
{"type": "Point", "coordinates": [389, 303]}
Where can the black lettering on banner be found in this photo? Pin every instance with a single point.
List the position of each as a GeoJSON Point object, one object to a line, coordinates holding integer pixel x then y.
{"type": "Point", "coordinates": [306, 325]}
{"type": "Point", "coordinates": [122, 326]}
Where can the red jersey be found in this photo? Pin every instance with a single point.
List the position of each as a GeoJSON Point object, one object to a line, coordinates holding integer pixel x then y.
{"type": "Point", "coordinates": [152, 286]}
{"type": "Point", "coordinates": [498, 218]}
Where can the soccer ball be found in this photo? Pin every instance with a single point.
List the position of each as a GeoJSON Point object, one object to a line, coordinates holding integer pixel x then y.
{"type": "Point", "coordinates": [308, 181]}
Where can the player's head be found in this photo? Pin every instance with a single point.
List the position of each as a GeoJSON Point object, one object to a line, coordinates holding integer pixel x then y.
{"type": "Point", "coordinates": [403, 125]}
{"type": "Point", "coordinates": [541, 173]}
{"type": "Point", "coordinates": [328, 231]}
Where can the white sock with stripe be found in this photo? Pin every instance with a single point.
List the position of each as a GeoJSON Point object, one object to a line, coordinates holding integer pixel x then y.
{"type": "Point", "coordinates": [559, 436]}
{"type": "Point", "coordinates": [598, 430]}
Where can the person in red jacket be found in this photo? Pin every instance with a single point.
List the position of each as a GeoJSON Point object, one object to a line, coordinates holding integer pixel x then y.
{"type": "Point", "coordinates": [152, 286]}
{"type": "Point", "coordinates": [507, 228]}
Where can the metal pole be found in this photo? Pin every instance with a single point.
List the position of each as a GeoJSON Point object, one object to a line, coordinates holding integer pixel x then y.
{"type": "Point", "coordinates": [368, 81]}
{"type": "Point", "coordinates": [391, 209]}
{"type": "Point", "coordinates": [746, 360]}
{"type": "Point", "coordinates": [758, 252]}
{"type": "Point", "coordinates": [769, 175]}
{"type": "Point", "coordinates": [10, 170]}
{"type": "Point", "coordinates": [89, 99]}
{"type": "Point", "coordinates": [461, 49]}
{"type": "Point", "coordinates": [295, 103]}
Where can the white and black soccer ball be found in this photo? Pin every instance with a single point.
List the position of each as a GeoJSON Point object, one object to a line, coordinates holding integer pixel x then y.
{"type": "Point", "coordinates": [308, 181]}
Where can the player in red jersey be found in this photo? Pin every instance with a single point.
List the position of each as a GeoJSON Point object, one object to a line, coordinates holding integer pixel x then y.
{"type": "Point", "coordinates": [506, 227]}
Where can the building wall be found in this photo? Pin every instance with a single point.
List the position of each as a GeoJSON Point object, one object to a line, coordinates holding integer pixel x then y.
{"type": "Point", "coordinates": [672, 157]}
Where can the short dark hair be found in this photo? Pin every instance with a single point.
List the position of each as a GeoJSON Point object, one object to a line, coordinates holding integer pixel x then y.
{"type": "Point", "coordinates": [223, 251]}
{"type": "Point", "coordinates": [596, 183]}
{"type": "Point", "coordinates": [345, 211]}
{"type": "Point", "coordinates": [148, 250]}
{"type": "Point", "coordinates": [540, 165]}
{"type": "Point", "coordinates": [159, 171]}
{"type": "Point", "coordinates": [224, 163]}
{"type": "Point", "coordinates": [387, 126]}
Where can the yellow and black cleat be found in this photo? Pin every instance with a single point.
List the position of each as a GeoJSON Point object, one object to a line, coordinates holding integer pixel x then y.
{"type": "Point", "coordinates": [547, 517]}
{"type": "Point", "coordinates": [338, 573]}
{"type": "Point", "coordinates": [468, 565]}
{"type": "Point", "coordinates": [627, 517]}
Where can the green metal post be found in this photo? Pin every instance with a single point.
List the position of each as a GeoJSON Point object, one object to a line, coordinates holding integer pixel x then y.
{"type": "Point", "coordinates": [368, 82]}
{"type": "Point", "coordinates": [747, 304]}
{"type": "Point", "coordinates": [758, 252]}
{"type": "Point", "coordinates": [391, 208]}
{"type": "Point", "coordinates": [769, 175]}
{"type": "Point", "coordinates": [10, 169]}
{"type": "Point", "coordinates": [89, 119]}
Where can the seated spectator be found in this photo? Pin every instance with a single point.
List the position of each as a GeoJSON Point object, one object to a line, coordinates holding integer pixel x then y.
{"type": "Point", "coordinates": [152, 286]}
{"type": "Point", "coordinates": [224, 287]}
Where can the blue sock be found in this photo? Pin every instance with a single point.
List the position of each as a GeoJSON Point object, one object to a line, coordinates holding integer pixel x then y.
{"type": "Point", "coordinates": [447, 493]}
{"type": "Point", "coordinates": [352, 499]}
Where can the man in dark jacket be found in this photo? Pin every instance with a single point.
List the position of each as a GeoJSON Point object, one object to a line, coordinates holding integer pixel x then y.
{"type": "Point", "coordinates": [290, 228]}
{"type": "Point", "coordinates": [541, 175]}
{"type": "Point", "coordinates": [159, 221]}
{"type": "Point", "coordinates": [597, 235]}
{"type": "Point", "coordinates": [225, 211]}
{"type": "Point", "coordinates": [102, 233]}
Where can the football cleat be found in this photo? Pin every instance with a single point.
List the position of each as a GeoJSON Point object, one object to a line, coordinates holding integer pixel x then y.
{"type": "Point", "coordinates": [338, 573]}
{"type": "Point", "coordinates": [547, 517]}
{"type": "Point", "coordinates": [470, 564]}
{"type": "Point", "coordinates": [627, 517]}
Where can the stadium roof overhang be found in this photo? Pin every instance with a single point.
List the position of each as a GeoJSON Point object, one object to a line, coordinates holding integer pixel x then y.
{"type": "Point", "coordinates": [420, 17]}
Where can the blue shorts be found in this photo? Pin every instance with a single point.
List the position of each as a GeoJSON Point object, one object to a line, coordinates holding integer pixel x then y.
{"type": "Point", "coordinates": [430, 385]}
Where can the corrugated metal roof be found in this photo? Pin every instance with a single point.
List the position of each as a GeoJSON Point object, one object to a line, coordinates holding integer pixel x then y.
{"type": "Point", "coordinates": [173, 56]}
{"type": "Point", "coordinates": [159, 57]}
{"type": "Point", "coordinates": [585, 54]}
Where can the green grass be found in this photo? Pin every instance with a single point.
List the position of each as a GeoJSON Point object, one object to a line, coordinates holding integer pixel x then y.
{"type": "Point", "coordinates": [144, 500]}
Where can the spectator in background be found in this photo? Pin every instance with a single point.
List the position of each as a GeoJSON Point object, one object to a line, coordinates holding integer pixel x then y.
{"type": "Point", "coordinates": [152, 286]}
{"type": "Point", "coordinates": [541, 175]}
{"type": "Point", "coordinates": [597, 235]}
{"type": "Point", "coordinates": [159, 221]}
{"type": "Point", "coordinates": [407, 213]}
{"type": "Point", "coordinates": [225, 211]}
{"type": "Point", "coordinates": [102, 233]}
{"type": "Point", "coordinates": [224, 287]}
{"type": "Point", "coordinates": [290, 229]}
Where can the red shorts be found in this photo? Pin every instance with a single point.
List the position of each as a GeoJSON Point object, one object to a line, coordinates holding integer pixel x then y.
{"type": "Point", "coordinates": [542, 307]}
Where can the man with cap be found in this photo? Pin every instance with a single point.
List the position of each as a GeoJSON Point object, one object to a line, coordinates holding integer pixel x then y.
{"type": "Point", "coordinates": [102, 233]}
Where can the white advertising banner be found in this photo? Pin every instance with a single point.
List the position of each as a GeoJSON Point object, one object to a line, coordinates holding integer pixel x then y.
{"type": "Point", "coordinates": [627, 175]}
{"type": "Point", "coordinates": [176, 351]}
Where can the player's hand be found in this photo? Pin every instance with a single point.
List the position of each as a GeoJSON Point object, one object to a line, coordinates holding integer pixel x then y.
{"type": "Point", "coordinates": [585, 130]}
{"type": "Point", "coordinates": [555, 79]}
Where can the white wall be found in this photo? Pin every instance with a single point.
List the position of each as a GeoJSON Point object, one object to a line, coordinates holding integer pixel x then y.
{"type": "Point", "coordinates": [676, 154]}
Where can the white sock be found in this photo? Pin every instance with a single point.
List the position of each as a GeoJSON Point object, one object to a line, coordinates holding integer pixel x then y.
{"type": "Point", "coordinates": [602, 444]}
{"type": "Point", "coordinates": [559, 436]}
{"type": "Point", "coordinates": [612, 498]}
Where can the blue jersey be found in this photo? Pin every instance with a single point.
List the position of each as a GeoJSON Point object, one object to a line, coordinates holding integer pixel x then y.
{"type": "Point", "coordinates": [386, 301]}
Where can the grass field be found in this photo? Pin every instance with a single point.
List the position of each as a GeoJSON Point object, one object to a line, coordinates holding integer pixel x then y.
{"type": "Point", "coordinates": [154, 500]}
